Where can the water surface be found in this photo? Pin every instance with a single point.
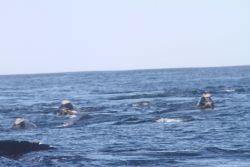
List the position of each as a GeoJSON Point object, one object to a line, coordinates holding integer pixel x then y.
{"type": "Point", "coordinates": [117, 128]}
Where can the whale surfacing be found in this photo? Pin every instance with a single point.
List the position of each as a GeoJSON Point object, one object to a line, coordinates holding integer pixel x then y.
{"type": "Point", "coordinates": [22, 123]}
{"type": "Point", "coordinates": [14, 149]}
{"type": "Point", "coordinates": [206, 101]}
{"type": "Point", "coordinates": [67, 108]}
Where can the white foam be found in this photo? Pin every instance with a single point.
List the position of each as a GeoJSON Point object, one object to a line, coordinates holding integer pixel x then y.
{"type": "Point", "coordinates": [169, 120]}
{"type": "Point", "coordinates": [229, 90]}
{"type": "Point", "coordinates": [73, 116]}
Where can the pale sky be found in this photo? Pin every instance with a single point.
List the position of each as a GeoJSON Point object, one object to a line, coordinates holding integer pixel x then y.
{"type": "Point", "coordinates": [41, 36]}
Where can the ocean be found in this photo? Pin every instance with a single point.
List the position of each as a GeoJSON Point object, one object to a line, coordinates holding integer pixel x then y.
{"type": "Point", "coordinates": [131, 118]}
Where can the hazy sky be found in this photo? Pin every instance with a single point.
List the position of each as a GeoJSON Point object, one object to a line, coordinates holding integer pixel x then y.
{"type": "Point", "coordinates": [39, 36]}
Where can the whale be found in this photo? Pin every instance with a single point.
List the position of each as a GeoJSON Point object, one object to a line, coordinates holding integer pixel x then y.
{"type": "Point", "coordinates": [15, 149]}
{"type": "Point", "coordinates": [206, 101]}
{"type": "Point", "coordinates": [22, 123]}
{"type": "Point", "coordinates": [67, 108]}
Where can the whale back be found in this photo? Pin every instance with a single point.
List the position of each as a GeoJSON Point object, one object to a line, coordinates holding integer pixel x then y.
{"type": "Point", "coordinates": [15, 149]}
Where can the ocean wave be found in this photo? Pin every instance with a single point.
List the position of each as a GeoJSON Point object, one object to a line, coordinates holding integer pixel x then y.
{"type": "Point", "coordinates": [175, 120]}
{"type": "Point", "coordinates": [169, 120]}
{"type": "Point", "coordinates": [142, 162]}
{"type": "Point", "coordinates": [229, 90]}
{"type": "Point", "coordinates": [167, 107]}
{"type": "Point", "coordinates": [212, 151]}
{"type": "Point", "coordinates": [139, 96]}
{"type": "Point", "coordinates": [141, 104]}
{"type": "Point", "coordinates": [132, 120]}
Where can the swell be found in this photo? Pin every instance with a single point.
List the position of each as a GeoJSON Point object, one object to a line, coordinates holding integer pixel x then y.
{"type": "Point", "coordinates": [227, 152]}
{"type": "Point", "coordinates": [175, 92]}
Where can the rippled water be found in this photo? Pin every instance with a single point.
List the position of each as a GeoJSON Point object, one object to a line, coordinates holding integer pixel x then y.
{"type": "Point", "coordinates": [132, 118]}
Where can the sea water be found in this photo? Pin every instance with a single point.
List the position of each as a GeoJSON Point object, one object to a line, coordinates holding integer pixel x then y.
{"type": "Point", "coordinates": [131, 118]}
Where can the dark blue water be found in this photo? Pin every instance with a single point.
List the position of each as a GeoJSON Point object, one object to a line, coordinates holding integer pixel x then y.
{"type": "Point", "coordinates": [114, 131]}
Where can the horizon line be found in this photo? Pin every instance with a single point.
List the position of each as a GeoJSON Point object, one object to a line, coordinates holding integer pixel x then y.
{"type": "Point", "coordinates": [122, 70]}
